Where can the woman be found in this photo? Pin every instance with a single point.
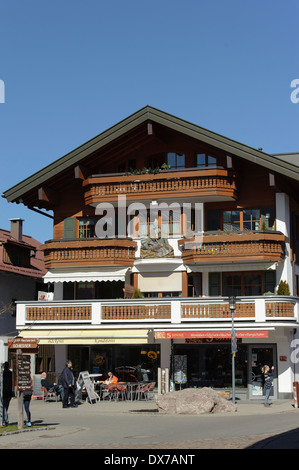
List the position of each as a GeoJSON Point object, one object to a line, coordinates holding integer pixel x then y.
{"type": "Point", "coordinates": [27, 394]}
{"type": "Point", "coordinates": [268, 382]}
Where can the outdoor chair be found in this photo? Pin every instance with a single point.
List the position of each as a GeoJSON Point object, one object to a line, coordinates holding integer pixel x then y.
{"type": "Point", "coordinates": [142, 391]}
{"type": "Point", "coordinates": [122, 390]}
{"type": "Point", "coordinates": [47, 395]}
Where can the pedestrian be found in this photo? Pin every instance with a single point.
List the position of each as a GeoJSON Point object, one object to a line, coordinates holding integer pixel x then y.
{"type": "Point", "coordinates": [27, 394]}
{"type": "Point", "coordinates": [6, 393]}
{"type": "Point", "coordinates": [67, 380]}
{"type": "Point", "coordinates": [268, 376]}
{"type": "Point", "coordinates": [58, 389]}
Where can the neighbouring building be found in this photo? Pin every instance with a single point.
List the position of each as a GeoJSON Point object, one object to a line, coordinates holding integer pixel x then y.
{"type": "Point", "coordinates": [188, 217]}
{"type": "Point", "coordinates": [21, 277]}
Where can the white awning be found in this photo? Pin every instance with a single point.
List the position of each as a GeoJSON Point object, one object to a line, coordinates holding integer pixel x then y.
{"type": "Point", "coordinates": [107, 273]}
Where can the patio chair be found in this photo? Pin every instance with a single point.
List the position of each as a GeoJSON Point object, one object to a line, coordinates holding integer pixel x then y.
{"type": "Point", "coordinates": [47, 395]}
{"type": "Point", "coordinates": [142, 390]}
{"type": "Point", "coordinates": [122, 390]}
{"type": "Point", "coordinates": [150, 392]}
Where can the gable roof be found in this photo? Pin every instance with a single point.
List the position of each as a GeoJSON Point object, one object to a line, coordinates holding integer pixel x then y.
{"type": "Point", "coordinates": [150, 114]}
{"type": "Point", "coordinates": [36, 269]}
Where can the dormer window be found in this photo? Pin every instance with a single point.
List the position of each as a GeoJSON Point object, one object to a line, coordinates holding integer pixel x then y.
{"type": "Point", "coordinates": [203, 160]}
{"type": "Point", "coordinates": [176, 160]}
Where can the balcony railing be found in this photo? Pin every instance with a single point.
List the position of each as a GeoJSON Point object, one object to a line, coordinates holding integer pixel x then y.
{"type": "Point", "coordinates": [169, 184]}
{"type": "Point", "coordinates": [89, 252]}
{"type": "Point", "coordinates": [243, 246]}
{"type": "Point", "coordinates": [166, 311]}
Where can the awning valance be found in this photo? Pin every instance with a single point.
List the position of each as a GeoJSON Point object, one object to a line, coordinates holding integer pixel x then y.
{"type": "Point", "coordinates": [117, 336]}
{"type": "Point", "coordinates": [110, 273]}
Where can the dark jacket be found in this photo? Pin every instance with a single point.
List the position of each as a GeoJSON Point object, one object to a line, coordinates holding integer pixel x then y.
{"type": "Point", "coordinates": [7, 384]}
{"type": "Point", "coordinates": [268, 379]}
{"type": "Point", "coordinates": [67, 377]}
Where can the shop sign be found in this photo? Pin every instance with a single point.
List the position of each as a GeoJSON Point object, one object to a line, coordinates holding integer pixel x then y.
{"type": "Point", "coordinates": [22, 343]}
{"type": "Point", "coordinates": [210, 334]}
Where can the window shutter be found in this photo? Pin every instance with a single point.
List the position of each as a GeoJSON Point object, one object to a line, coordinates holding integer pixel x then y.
{"type": "Point", "coordinates": [69, 227]}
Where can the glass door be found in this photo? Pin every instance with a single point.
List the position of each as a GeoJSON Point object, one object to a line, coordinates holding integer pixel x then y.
{"type": "Point", "coordinates": [260, 355]}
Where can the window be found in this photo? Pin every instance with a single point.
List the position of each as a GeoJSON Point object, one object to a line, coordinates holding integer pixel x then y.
{"type": "Point", "coordinates": [251, 220]}
{"type": "Point", "coordinates": [213, 220]}
{"type": "Point", "coordinates": [85, 290]}
{"type": "Point", "coordinates": [176, 160]}
{"type": "Point", "coordinates": [167, 223]}
{"type": "Point", "coordinates": [194, 285]}
{"type": "Point", "coordinates": [203, 160]}
{"type": "Point", "coordinates": [86, 228]}
{"type": "Point", "coordinates": [214, 285]}
{"type": "Point", "coordinates": [245, 283]}
{"type": "Point", "coordinates": [231, 221]}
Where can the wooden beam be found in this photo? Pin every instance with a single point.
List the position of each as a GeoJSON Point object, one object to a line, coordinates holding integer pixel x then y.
{"type": "Point", "coordinates": [48, 195]}
{"type": "Point", "coordinates": [81, 172]}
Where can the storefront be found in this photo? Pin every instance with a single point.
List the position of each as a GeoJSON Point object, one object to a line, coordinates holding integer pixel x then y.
{"type": "Point", "coordinates": [127, 361]}
{"type": "Point", "coordinates": [209, 364]}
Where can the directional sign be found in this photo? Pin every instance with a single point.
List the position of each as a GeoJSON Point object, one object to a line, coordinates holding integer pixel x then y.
{"type": "Point", "coordinates": [23, 364]}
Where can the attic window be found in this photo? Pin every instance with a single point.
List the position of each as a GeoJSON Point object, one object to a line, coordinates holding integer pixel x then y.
{"type": "Point", "coordinates": [176, 160]}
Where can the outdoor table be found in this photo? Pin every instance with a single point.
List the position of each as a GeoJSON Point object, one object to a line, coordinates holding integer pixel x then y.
{"type": "Point", "coordinates": [131, 387]}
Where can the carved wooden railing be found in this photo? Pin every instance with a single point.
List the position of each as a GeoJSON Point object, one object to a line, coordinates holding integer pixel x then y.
{"type": "Point", "coordinates": [243, 246]}
{"type": "Point", "coordinates": [217, 181]}
{"type": "Point", "coordinates": [92, 251]}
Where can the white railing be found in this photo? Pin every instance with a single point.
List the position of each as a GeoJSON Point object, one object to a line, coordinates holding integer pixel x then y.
{"type": "Point", "coordinates": [168, 311]}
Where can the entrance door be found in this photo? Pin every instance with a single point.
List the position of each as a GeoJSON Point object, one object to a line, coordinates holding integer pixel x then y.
{"type": "Point", "coordinates": [260, 355]}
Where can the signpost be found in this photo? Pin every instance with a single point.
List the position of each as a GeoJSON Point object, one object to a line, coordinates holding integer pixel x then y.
{"type": "Point", "coordinates": [23, 373]}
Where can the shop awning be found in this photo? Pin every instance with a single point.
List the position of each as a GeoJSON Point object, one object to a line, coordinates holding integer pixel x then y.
{"type": "Point", "coordinates": [90, 337]}
{"type": "Point", "coordinates": [210, 334]}
{"type": "Point", "coordinates": [107, 273]}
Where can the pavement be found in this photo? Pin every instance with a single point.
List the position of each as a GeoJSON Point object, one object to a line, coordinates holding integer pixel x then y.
{"type": "Point", "coordinates": [138, 425]}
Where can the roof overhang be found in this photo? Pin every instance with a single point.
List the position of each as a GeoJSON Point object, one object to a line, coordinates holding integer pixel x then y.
{"type": "Point", "coordinates": [153, 115]}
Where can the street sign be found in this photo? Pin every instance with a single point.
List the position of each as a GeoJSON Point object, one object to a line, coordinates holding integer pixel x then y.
{"type": "Point", "coordinates": [234, 340]}
{"type": "Point", "coordinates": [23, 364]}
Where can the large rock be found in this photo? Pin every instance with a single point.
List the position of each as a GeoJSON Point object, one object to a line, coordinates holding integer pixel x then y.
{"type": "Point", "coordinates": [194, 401]}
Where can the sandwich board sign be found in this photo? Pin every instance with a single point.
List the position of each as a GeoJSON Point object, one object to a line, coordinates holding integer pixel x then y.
{"type": "Point", "coordinates": [84, 381]}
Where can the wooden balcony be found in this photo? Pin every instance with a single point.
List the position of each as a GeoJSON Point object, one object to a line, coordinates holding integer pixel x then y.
{"type": "Point", "coordinates": [235, 247]}
{"type": "Point", "coordinates": [216, 182]}
{"type": "Point", "coordinates": [89, 252]}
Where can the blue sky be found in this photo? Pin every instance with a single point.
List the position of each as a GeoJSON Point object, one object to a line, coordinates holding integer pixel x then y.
{"type": "Point", "coordinates": [72, 69]}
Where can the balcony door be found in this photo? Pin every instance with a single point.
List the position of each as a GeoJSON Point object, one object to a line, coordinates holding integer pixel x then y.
{"type": "Point", "coordinates": [260, 355]}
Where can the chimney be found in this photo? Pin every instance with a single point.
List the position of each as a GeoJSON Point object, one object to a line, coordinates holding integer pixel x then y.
{"type": "Point", "coordinates": [16, 229]}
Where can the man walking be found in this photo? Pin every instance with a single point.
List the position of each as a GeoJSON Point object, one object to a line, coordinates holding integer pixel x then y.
{"type": "Point", "coordinates": [68, 383]}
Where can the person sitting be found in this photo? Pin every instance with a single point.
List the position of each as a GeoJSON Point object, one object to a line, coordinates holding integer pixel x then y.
{"type": "Point", "coordinates": [112, 379]}
{"type": "Point", "coordinates": [58, 389]}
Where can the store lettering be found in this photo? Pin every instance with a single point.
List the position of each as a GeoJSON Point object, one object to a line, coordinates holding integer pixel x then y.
{"type": "Point", "coordinates": [104, 340]}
